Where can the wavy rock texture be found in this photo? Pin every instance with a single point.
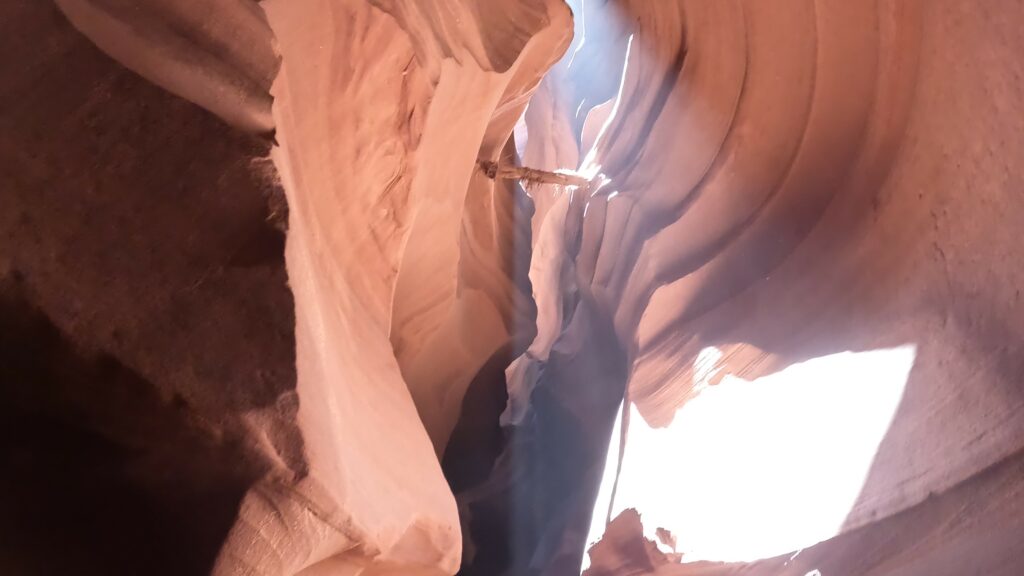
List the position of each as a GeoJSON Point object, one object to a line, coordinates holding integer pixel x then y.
{"type": "Point", "coordinates": [782, 180]}
{"type": "Point", "coordinates": [146, 326]}
{"type": "Point", "coordinates": [403, 286]}
{"type": "Point", "coordinates": [786, 181]}
{"type": "Point", "coordinates": [398, 250]}
{"type": "Point", "coordinates": [217, 54]}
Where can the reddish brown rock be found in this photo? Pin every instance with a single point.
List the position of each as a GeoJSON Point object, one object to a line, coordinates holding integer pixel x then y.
{"type": "Point", "coordinates": [146, 326]}
{"type": "Point", "coordinates": [424, 377]}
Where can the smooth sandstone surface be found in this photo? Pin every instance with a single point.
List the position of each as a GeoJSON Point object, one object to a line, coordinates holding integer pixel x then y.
{"type": "Point", "coordinates": [424, 376]}
{"type": "Point", "coordinates": [378, 159]}
{"type": "Point", "coordinates": [780, 176]}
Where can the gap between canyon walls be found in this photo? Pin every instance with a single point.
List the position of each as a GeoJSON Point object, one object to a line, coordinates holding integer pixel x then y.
{"type": "Point", "coordinates": [408, 267]}
{"type": "Point", "coordinates": [786, 182]}
{"type": "Point", "coordinates": [407, 264]}
{"type": "Point", "coordinates": [774, 203]}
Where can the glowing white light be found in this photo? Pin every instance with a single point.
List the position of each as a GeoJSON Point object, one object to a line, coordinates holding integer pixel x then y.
{"type": "Point", "coordinates": [522, 133]}
{"type": "Point", "coordinates": [604, 494]}
{"type": "Point", "coordinates": [590, 168]}
{"type": "Point", "coordinates": [580, 107]}
{"type": "Point", "coordinates": [755, 469]}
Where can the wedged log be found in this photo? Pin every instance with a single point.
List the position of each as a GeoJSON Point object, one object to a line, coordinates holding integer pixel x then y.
{"type": "Point", "coordinates": [402, 289]}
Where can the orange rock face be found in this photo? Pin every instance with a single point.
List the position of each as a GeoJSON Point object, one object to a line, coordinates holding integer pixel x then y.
{"type": "Point", "coordinates": [780, 332]}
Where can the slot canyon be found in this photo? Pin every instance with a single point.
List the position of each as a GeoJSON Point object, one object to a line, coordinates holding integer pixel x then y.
{"type": "Point", "coordinates": [512, 287]}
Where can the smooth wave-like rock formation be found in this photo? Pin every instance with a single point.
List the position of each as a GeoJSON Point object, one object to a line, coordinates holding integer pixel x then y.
{"type": "Point", "coordinates": [807, 205]}
{"type": "Point", "coordinates": [395, 271]}
{"type": "Point", "coordinates": [398, 249]}
{"type": "Point", "coordinates": [783, 180]}
{"type": "Point", "coordinates": [217, 54]}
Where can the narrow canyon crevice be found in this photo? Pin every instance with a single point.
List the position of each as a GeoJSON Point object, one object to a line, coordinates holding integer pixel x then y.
{"type": "Point", "coordinates": [274, 302]}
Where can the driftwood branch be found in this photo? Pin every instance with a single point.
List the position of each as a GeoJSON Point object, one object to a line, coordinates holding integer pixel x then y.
{"type": "Point", "coordinates": [533, 176]}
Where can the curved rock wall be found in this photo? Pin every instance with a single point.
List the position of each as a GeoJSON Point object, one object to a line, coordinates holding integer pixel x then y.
{"type": "Point", "coordinates": [217, 54]}
{"type": "Point", "coordinates": [398, 250]}
{"type": "Point", "coordinates": [147, 337]}
{"type": "Point", "coordinates": [782, 182]}
{"type": "Point", "coordinates": [403, 281]}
